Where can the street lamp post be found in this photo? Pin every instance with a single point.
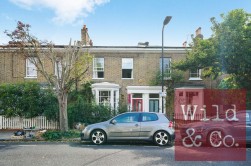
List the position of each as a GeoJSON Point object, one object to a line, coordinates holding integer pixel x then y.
{"type": "Point", "coordinates": [166, 21]}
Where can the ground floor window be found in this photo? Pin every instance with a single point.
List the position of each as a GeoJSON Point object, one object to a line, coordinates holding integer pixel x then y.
{"type": "Point", "coordinates": [104, 97]}
{"type": "Point", "coordinates": [153, 105]}
{"type": "Point", "coordinates": [137, 102]}
{"type": "Point", "coordinates": [145, 99]}
{"type": "Point", "coordinates": [154, 102]}
{"type": "Point", "coordinates": [106, 94]}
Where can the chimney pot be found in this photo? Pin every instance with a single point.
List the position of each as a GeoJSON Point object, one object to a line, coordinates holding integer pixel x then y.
{"type": "Point", "coordinates": [184, 44]}
{"type": "Point", "coordinates": [198, 31]}
{"type": "Point", "coordinates": [91, 43]}
{"type": "Point", "coordinates": [85, 36]}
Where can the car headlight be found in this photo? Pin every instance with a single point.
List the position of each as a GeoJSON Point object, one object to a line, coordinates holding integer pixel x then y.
{"type": "Point", "coordinates": [85, 129]}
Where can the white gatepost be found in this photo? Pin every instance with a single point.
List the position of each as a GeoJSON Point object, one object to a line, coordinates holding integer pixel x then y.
{"type": "Point", "coordinates": [1, 122]}
{"type": "Point", "coordinates": [112, 99]}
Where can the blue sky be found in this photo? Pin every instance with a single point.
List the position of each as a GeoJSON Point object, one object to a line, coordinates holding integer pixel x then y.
{"type": "Point", "coordinates": [115, 22]}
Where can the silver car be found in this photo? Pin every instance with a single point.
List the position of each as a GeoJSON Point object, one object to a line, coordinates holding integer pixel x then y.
{"type": "Point", "coordinates": [132, 126]}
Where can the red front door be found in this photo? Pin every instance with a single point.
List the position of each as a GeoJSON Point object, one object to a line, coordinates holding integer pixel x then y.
{"type": "Point", "coordinates": [137, 105]}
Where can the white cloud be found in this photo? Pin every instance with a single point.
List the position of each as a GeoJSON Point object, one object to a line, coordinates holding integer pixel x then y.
{"type": "Point", "coordinates": [66, 11]}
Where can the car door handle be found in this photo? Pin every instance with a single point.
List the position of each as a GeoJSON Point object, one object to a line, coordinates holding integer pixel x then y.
{"type": "Point", "coordinates": [137, 125]}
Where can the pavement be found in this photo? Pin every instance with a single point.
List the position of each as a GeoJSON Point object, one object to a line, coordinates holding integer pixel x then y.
{"type": "Point", "coordinates": [8, 135]}
{"type": "Point", "coordinates": [5, 135]}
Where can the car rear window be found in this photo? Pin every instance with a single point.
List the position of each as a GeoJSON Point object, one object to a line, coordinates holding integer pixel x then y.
{"type": "Point", "coordinates": [248, 118]}
{"type": "Point", "coordinates": [127, 118]}
{"type": "Point", "coordinates": [146, 117]}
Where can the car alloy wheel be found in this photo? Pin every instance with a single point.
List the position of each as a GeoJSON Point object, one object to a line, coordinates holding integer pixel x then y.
{"type": "Point", "coordinates": [216, 138]}
{"type": "Point", "coordinates": [98, 137]}
{"type": "Point", "coordinates": [161, 138]}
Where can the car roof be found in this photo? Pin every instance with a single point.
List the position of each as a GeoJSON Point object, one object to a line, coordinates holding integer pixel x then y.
{"type": "Point", "coordinates": [143, 112]}
{"type": "Point", "coordinates": [156, 113]}
{"type": "Point", "coordinates": [249, 111]}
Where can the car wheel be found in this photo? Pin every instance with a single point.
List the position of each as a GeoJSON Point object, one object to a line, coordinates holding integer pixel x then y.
{"type": "Point", "coordinates": [215, 138]}
{"type": "Point", "coordinates": [98, 137]}
{"type": "Point", "coordinates": [161, 138]}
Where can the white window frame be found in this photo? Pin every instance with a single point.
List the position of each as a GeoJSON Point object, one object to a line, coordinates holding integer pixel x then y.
{"type": "Point", "coordinates": [154, 99]}
{"type": "Point", "coordinates": [96, 68]}
{"type": "Point", "coordinates": [59, 68]}
{"type": "Point", "coordinates": [106, 102]}
{"type": "Point", "coordinates": [167, 67]}
{"type": "Point", "coordinates": [113, 90]}
{"type": "Point", "coordinates": [31, 69]}
{"type": "Point", "coordinates": [127, 63]}
{"type": "Point", "coordinates": [195, 76]}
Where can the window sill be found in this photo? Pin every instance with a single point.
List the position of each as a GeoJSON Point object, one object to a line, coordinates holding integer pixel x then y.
{"type": "Point", "coordinates": [195, 79]}
{"type": "Point", "coordinates": [167, 78]}
{"type": "Point", "coordinates": [29, 77]}
{"type": "Point", "coordinates": [98, 78]}
{"type": "Point", "coordinates": [127, 78]}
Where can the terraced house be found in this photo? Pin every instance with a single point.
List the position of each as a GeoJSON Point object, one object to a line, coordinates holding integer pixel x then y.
{"type": "Point", "coordinates": [119, 73]}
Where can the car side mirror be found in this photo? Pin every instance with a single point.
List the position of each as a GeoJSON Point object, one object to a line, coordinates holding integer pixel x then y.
{"type": "Point", "coordinates": [113, 121]}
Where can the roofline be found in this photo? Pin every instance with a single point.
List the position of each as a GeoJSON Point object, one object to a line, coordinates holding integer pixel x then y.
{"type": "Point", "coordinates": [136, 49]}
{"type": "Point", "coordinates": [117, 49]}
{"type": "Point", "coordinates": [147, 47]}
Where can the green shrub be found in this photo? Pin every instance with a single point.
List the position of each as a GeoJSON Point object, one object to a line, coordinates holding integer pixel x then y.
{"type": "Point", "coordinates": [87, 113]}
{"type": "Point", "coordinates": [27, 100]}
{"type": "Point", "coordinates": [54, 135]}
{"type": "Point", "coordinates": [71, 134]}
{"type": "Point", "coordinates": [49, 105]}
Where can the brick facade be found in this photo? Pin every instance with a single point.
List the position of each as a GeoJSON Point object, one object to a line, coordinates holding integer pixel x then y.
{"type": "Point", "coordinates": [13, 67]}
{"type": "Point", "coordinates": [146, 64]}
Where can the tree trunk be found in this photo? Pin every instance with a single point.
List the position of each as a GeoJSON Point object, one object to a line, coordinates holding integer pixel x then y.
{"type": "Point", "coordinates": [62, 100]}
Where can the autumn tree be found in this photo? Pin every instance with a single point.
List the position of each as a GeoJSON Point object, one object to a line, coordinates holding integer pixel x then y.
{"type": "Point", "coordinates": [70, 63]}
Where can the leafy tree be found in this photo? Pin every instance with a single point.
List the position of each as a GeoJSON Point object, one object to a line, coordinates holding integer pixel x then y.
{"type": "Point", "coordinates": [203, 55]}
{"type": "Point", "coordinates": [70, 63]}
{"type": "Point", "coordinates": [233, 43]}
{"type": "Point", "coordinates": [176, 76]}
{"type": "Point", "coordinates": [85, 92]}
{"type": "Point", "coordinates": [226, 52]}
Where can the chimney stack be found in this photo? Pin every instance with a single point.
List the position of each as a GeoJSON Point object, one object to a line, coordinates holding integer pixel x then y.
{"type": "Point", "coordinates": [85, 38]}
{"type": "Point", "coordinates": [145, 44]}
{"type": "Point", "coordinates": [198, 33]}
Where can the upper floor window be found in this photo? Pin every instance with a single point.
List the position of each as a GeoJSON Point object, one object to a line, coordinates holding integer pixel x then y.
{"type": "Point", "coordinates": [31, 69]}
{"type": "Point", "coordinates": [98, 67]}
{"type": "Point", "coordinates": [127, 67]}
{"type": "Point", "coordinates": [195, 74]}
{"type": "Point", "coordinates": [167, 67]}
{"type": "Point", "coordinates": [58, 69]}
